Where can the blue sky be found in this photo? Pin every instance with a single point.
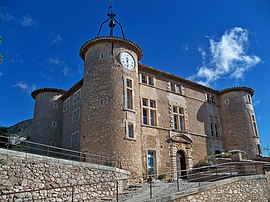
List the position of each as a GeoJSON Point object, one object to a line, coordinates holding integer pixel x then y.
{"type": "Point", "coordinates": [220, 43]}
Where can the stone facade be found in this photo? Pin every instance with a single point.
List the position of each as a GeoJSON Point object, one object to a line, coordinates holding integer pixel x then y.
{"type": "Point", "coordinates": [21, 172]}
{"type": "Point", "coordinates": [175, 122]}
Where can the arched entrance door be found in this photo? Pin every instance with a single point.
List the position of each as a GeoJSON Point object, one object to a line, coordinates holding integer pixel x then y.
{"type": "Point", "coordinates": [181, 164]}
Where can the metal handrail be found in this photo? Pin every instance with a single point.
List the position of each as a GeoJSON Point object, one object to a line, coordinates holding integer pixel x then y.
{"type": "Point", "coordinates": [199, 175]}
{"type": "Point", "coordinates": [219, 168]}
{"type": "Point", "coordinates": [34, 146]}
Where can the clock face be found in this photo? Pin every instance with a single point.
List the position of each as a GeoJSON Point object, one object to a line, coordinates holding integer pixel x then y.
{"type": "Point", "coordinates": [127, 60]}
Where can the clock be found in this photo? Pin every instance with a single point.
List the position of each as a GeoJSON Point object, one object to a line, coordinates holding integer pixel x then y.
{"type": "Point", "coordinates": [127, 60]}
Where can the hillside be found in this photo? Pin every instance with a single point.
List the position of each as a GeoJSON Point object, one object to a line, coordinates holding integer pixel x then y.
{"type": "Point", "coordinates": [22, 129]}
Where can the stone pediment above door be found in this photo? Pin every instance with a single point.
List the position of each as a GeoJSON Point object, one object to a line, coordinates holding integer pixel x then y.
{"type": "Point", "coordinates": [179, 137]}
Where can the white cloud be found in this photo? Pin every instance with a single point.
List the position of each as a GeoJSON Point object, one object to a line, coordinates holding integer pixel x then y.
{"type": "Point", "coordinates": [1, 74]}
{"type": "Point", "coordinates": [25, 86]}
{"type": "Point", "coordinates": [55, 38]}
{"type": "Point", "coordinates": [67, 71]}
{"type": "Point", "coordinates": [256, 103]}
{"type": "Point", "coordinates": [27, 21]}
{"type": "Point", "coordinates": [5, 15]}
{"type": "Point", "coordinates": [62, 64]}
{"type": "Point", "coordinates": [226, 58]}
{"type": "Point", "coordinates": [55, 61]}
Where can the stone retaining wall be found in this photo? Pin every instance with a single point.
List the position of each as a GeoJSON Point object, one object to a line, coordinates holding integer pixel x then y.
{"type": "Point", "coordinates": [239, 189]}
{"type": "Point", "coordinates": [20, 171]}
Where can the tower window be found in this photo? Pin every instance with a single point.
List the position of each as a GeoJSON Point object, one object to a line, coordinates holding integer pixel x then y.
{"type": "Point", "coordinates": [214, 126]}
{"type": "Point", "coordinates": [55, 105]}
{"type": "Point", "coordinates": [75, 139]}
{"type": "Point", "coordinates": [254, 125]}
{"type": "Point", "coordinates": [149, 112]}
{"type": "Point", "coordinates": [77, 96]}
{"type": "Point", "coordinates": [54, 124]}
{"type": "Point", "coordinates": [66, 104]}
{"type": "Point", "coordinates": [178, 118]}
{"type": "Point", "coordinates": [130, 130]}
{"type": "Point", "coordinates": [249, 98]}
{"type": "Point", "coordinates": [128, 85]}
{"type": "Point", "coordinates": [76, 115]}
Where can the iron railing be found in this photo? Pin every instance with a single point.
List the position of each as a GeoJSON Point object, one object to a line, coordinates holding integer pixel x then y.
{"type": "Point", "coordinates": [56, 152]}
{"type": "Point", "coordinates": [194, 177]}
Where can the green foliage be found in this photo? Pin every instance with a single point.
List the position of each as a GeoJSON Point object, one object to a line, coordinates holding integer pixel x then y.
{"type": "Point", "coordinates": [203, 162]}
{"type": "Point", "coordinates": [161, 176]}
{"type": "Point", "coordinates": [3, 131]}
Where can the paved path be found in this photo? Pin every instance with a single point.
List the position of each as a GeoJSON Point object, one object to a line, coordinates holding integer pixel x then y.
{"type": "Point", "coordinates": [157, 188]}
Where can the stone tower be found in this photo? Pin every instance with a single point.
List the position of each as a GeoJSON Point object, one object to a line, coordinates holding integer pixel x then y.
{"type": "Point", "coordinates": [48, 115]}
{"type": "Point", "coordinates": [110, 101]}
{"type": "Point", "coordinates": [239, 123]}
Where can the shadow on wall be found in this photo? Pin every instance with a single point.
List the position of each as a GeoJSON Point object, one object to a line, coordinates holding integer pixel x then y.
{"type": "Point", "coordinates": [208, 114]}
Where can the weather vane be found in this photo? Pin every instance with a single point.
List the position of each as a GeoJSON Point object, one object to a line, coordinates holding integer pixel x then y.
{"type": "Point", "coordinates": [113, 22]}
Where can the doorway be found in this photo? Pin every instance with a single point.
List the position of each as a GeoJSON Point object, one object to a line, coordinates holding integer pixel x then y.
{"type": "Point", "coordinates": [181, 164]}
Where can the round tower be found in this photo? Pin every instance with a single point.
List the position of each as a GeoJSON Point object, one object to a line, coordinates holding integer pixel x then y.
{"type": "Point", "coordinates": [47, 124]}
{"type": "Point", "coordinates": [110, 101]}
{"type": "Point", "coordinates": [239, 122]}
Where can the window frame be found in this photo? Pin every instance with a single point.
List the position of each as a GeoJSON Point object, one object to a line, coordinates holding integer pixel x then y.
{"type": "Point", "coordinates": [77, 96]}
{"type": "Point", "coordinates": [210, 98]}
{"type": "Point", "coordinates": [178, 118]}
{"type": "Point", "coordinates": [128, 123]}
{"type": "Point", "coordinates": [150, 108]}
{"type": "Point", "coordinates": [54, 124]}
{"type": "Point", "coordinates": [175, 88]}
{"type": "Point", "coordinates": [128, 93]}
{"type": "Point", "coordinates": [73, 115]}
{"type": "Point", "coordinates": [214, 126]}
{"type": "Point", "coordinates": [66, 106]}
{"type": "Point", "coordinates": [144, 79]}
{"type": "Point", "coordinates": [254, 125]}
{"type": "Point", "coordinates": [78, 139]}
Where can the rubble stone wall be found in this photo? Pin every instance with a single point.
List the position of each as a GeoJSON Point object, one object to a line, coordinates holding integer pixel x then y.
{"type": "Point", "coordinates": [21, 172]}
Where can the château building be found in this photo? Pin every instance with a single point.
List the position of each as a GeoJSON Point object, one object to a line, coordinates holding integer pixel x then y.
{"type": "Point", "coordinates": [140, 116]}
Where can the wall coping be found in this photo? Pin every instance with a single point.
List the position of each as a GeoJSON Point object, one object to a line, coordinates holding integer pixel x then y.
{"type": "Point", "coordinates": [207, 187]}
{"type": "Point", "coordinates": [62, 161]}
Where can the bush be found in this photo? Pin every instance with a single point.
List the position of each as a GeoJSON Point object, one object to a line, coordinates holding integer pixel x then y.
{"type": "Point", "coordinates": [161, 176]}
{"type": "Point", "coordinates": [203, 162]}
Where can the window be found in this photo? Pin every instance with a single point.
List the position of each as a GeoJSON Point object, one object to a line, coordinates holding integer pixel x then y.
{"type": "Point", "coordinates": [174, 88]}
{"type": "Point", "coordinates": [101, 56]}
{"type": "Point", "coordinates": [77, 96]}
{"type": "Point", "coordinates": [254, 125]}
{"type": "Point", "coordinates": [76, 115]}
{"type": "Point", "coordinates": [53, 143]}
{"type": "Point", "coordinates": [214, 125]}
{"type": "Point", "coordinates": [130, 130]}
{"type": "Point", "coordinates": [128, 93]}
{"type": "Point", "coordinates": [211, 98]}
{"type": "Point", "coordinates": [249, 98]}
{"type": "Point", "coordinates": [151, 161]}
{"type": "Point", "coordinates": [178, 118]}
{"type": "Point", "coordinates": [259, 149]}
{"type": "Point", "coordinates": [149, 112]}
{"type": "Point", "coordinates": [75, 138]}
{"type": "Point", "coordinates": [55, 105]}
{"type": "Point", "coordinates": [146, 79]}
{"type": "Point", "coordinates": [66, 104]}
{"type": "Point", "coordinates": [54, 124]}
